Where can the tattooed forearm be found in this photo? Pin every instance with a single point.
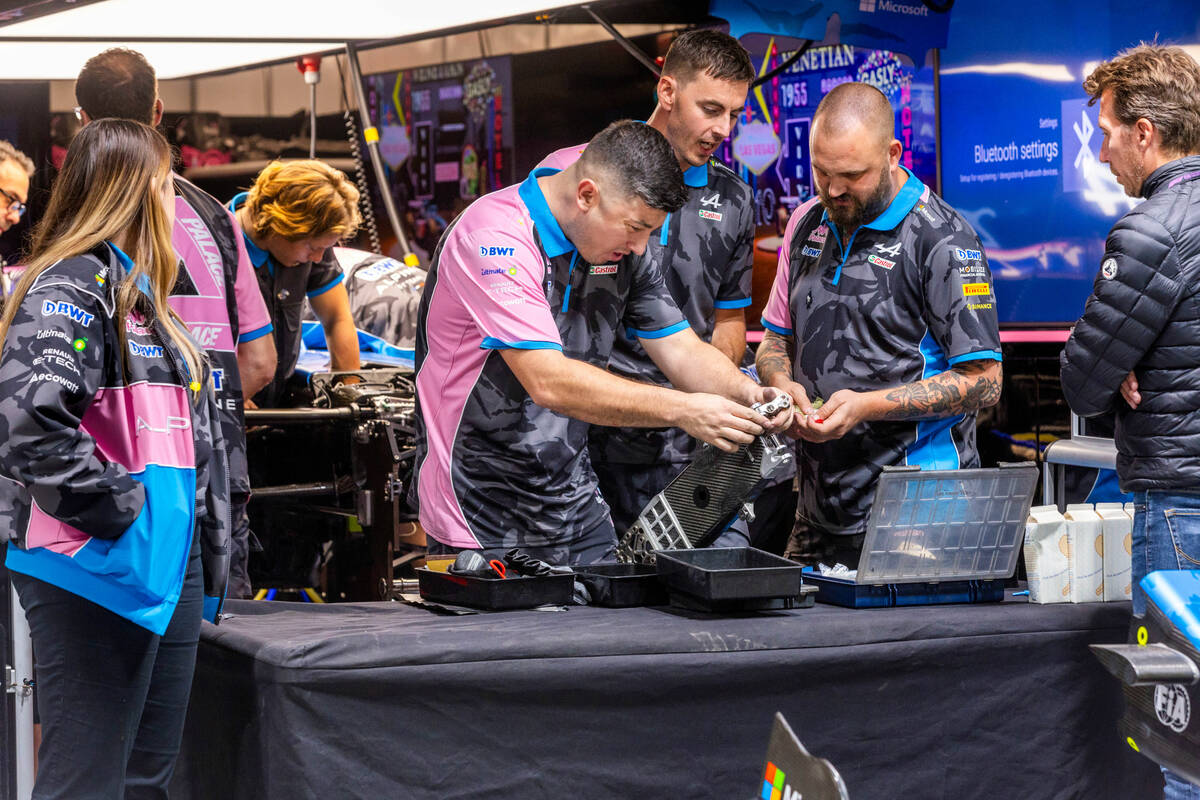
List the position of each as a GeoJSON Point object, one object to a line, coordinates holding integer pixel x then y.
{"type": "Point", "coordinates": [967, 387]}
{"type": "Point", "coordinates": [774, 357]}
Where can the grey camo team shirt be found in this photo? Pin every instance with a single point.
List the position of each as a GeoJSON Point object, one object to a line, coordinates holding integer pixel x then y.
{"type": "Point", "coordinates": [706, 254]}
{"type": "Point", "coordinates": [908, 296]}
{"type": "Point", "coordinates": [493, 468]}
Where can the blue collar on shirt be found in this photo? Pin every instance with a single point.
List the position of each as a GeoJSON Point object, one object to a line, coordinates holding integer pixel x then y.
{"type": "Point", "coordinates": [257, 255]}
{"type": "Point", "coordinates": [696, 177]}
{"type": "Point", "coordinates": [901, 204]}
{"type": "Point", "coordinates": [143, 280]}
{"type": "Point", "coordinates": [554, 241]}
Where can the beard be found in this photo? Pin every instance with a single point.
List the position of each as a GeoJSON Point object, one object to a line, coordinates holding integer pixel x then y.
{"type": "Point", "coordinates": [850, 212]}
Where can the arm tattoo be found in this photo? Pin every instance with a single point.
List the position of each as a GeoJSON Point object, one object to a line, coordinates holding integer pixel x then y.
{"type": "Point", "coordinates": [774, 356]}
{"type": "Point", "coordinates": [959, 390]}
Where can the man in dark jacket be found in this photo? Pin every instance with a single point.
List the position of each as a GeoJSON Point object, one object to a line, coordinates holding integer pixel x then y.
{"type": "Point", "coordinates": [1137, 348]}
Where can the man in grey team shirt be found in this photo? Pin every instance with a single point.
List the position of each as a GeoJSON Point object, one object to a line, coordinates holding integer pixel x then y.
{"type": "Point", "coordinates": [882, 305]}
{"type": "Point", "coordinates": [705, 252]}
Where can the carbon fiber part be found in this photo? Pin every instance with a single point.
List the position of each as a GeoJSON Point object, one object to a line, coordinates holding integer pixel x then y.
{"type": "Point", "coordinates": [704, 498]}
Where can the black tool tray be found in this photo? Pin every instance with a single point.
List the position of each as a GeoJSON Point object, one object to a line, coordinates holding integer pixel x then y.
{"type": "Point", "coordinates": [616, 585]}
{"type": "Point", "coordinates": [495, 594]}
{"type": "Point", "coordinates": [729, 573]}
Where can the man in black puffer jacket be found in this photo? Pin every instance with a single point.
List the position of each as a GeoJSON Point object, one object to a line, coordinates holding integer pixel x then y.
{"type": "Point", "coordinates": [1136, 350]}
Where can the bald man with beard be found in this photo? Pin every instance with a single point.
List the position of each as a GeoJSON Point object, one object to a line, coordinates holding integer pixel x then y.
{"type": "Point", "coordinates": [883, 307]}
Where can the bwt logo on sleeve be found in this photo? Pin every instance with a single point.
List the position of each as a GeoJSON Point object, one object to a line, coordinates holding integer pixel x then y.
{"type": "Point", "coordinates": [496, 251]}
{"type": "Point", "coordinates": [967, 255]}
{"type": "Point", "coordinates": [76, 313]}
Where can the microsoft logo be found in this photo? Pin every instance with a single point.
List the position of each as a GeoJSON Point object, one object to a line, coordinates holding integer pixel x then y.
{"type": "Point", "coordinates": [774, 777]}
{"type": "Point", "coordinates": [867, 6]}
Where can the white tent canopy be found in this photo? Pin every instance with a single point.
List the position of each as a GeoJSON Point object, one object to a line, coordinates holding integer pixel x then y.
{"type": "Point", "coordinates": [226, 34]}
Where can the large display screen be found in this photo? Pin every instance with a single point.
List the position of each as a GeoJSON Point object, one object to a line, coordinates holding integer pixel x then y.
{"type": "Point", "coordinates": [1020, 143]}
{"type": "Point", "coordinates": [770, 144]}
{"type": "Point", "coordinates": [446, 130]}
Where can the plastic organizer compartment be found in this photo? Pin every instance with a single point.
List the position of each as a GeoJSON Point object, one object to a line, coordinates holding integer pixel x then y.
{"type": "Point", "coordinates": [729, 573]}
{"type": "Point", "coordinates": [946, 525]}
{"type": "Point", "coordinates": [842, 592]}
{"type": "Point", "coordinates": [497, 593]}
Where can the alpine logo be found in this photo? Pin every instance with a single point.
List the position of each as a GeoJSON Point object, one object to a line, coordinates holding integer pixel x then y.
{"type": "Point", "coordinates": [603, 269]}
{"type": "Point", "coordinates": [173, 424]}
{"type": "Point", "coordinates": [495, 251]}
{"type": "Point", "coordinates": [65, 309]}
{"type": "Point", "coordinates": [881, 262]}
{"type": "Point", "coordinates": [714, 201]}
{"type": "Point", "coordinates": [890, 252]}
{"type": "Point", "coordinates": [715, 216]}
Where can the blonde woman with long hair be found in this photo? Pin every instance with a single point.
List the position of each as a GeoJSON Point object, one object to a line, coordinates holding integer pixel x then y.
{"type": "Point", "coordinates": [115, 488]}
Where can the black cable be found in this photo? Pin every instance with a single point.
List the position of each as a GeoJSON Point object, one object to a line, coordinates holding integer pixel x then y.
{"type": "Point", "coordinates": [360, 172]}
{"type": "Point", "coordinates": [782, 67]}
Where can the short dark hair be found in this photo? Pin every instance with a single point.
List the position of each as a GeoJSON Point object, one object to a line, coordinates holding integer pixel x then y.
{"type": "Point", "coordinates": [117, 83]}
{"type": "Point", "coordinates": [710, 52]}
{"type": "Point", "coordinates": [638, 158]}
{"type": "Point", "coordinates": [1158, 83]}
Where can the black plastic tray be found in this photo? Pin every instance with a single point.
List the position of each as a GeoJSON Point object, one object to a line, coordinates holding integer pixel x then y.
{"type": "Point", "coordinates": [841, 592]}
{"type": "Point", "coordinates": [805, 599]}
{"type": "Point", "coordinates": [622, 585]}
{"type": "Point", "coordinates": [729, 573]}
{"type": "Point", "coordinates": [495, 593]}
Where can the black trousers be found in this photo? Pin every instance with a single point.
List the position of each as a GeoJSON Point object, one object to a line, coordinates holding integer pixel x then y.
{"type": "Point", "coordinates": [112, 696]}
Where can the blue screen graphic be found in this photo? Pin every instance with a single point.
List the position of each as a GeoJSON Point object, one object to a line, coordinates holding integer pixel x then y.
{"type": "Point", "coordinates": [1019, 141]}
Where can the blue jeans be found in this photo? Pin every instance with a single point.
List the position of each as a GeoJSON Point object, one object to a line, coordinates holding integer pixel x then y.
{"type": "Point", "coordinates": [1166, 535]}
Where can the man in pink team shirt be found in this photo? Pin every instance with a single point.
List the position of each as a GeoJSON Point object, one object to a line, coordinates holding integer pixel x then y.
{"type": "Point", "coordinates": [217, 294]}
{"type": "Point", "coordinates": [522, 304]}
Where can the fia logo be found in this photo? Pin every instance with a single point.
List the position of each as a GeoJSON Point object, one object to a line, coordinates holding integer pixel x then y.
{"type": "Point", "coordinates": [890, 252]}
{"type": "Point", "coordinates": [1172, 706]}
{"type": "Point", "coordinates": [714, 201]}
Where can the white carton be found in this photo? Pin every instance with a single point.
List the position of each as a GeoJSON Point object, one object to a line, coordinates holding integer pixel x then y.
{"type": "Point", "coordinates": [1046, 556]}
{"type": "Point", "coordinates": [1117, 527]}
{"type": "Point", "coordinates": [1086, 537]}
